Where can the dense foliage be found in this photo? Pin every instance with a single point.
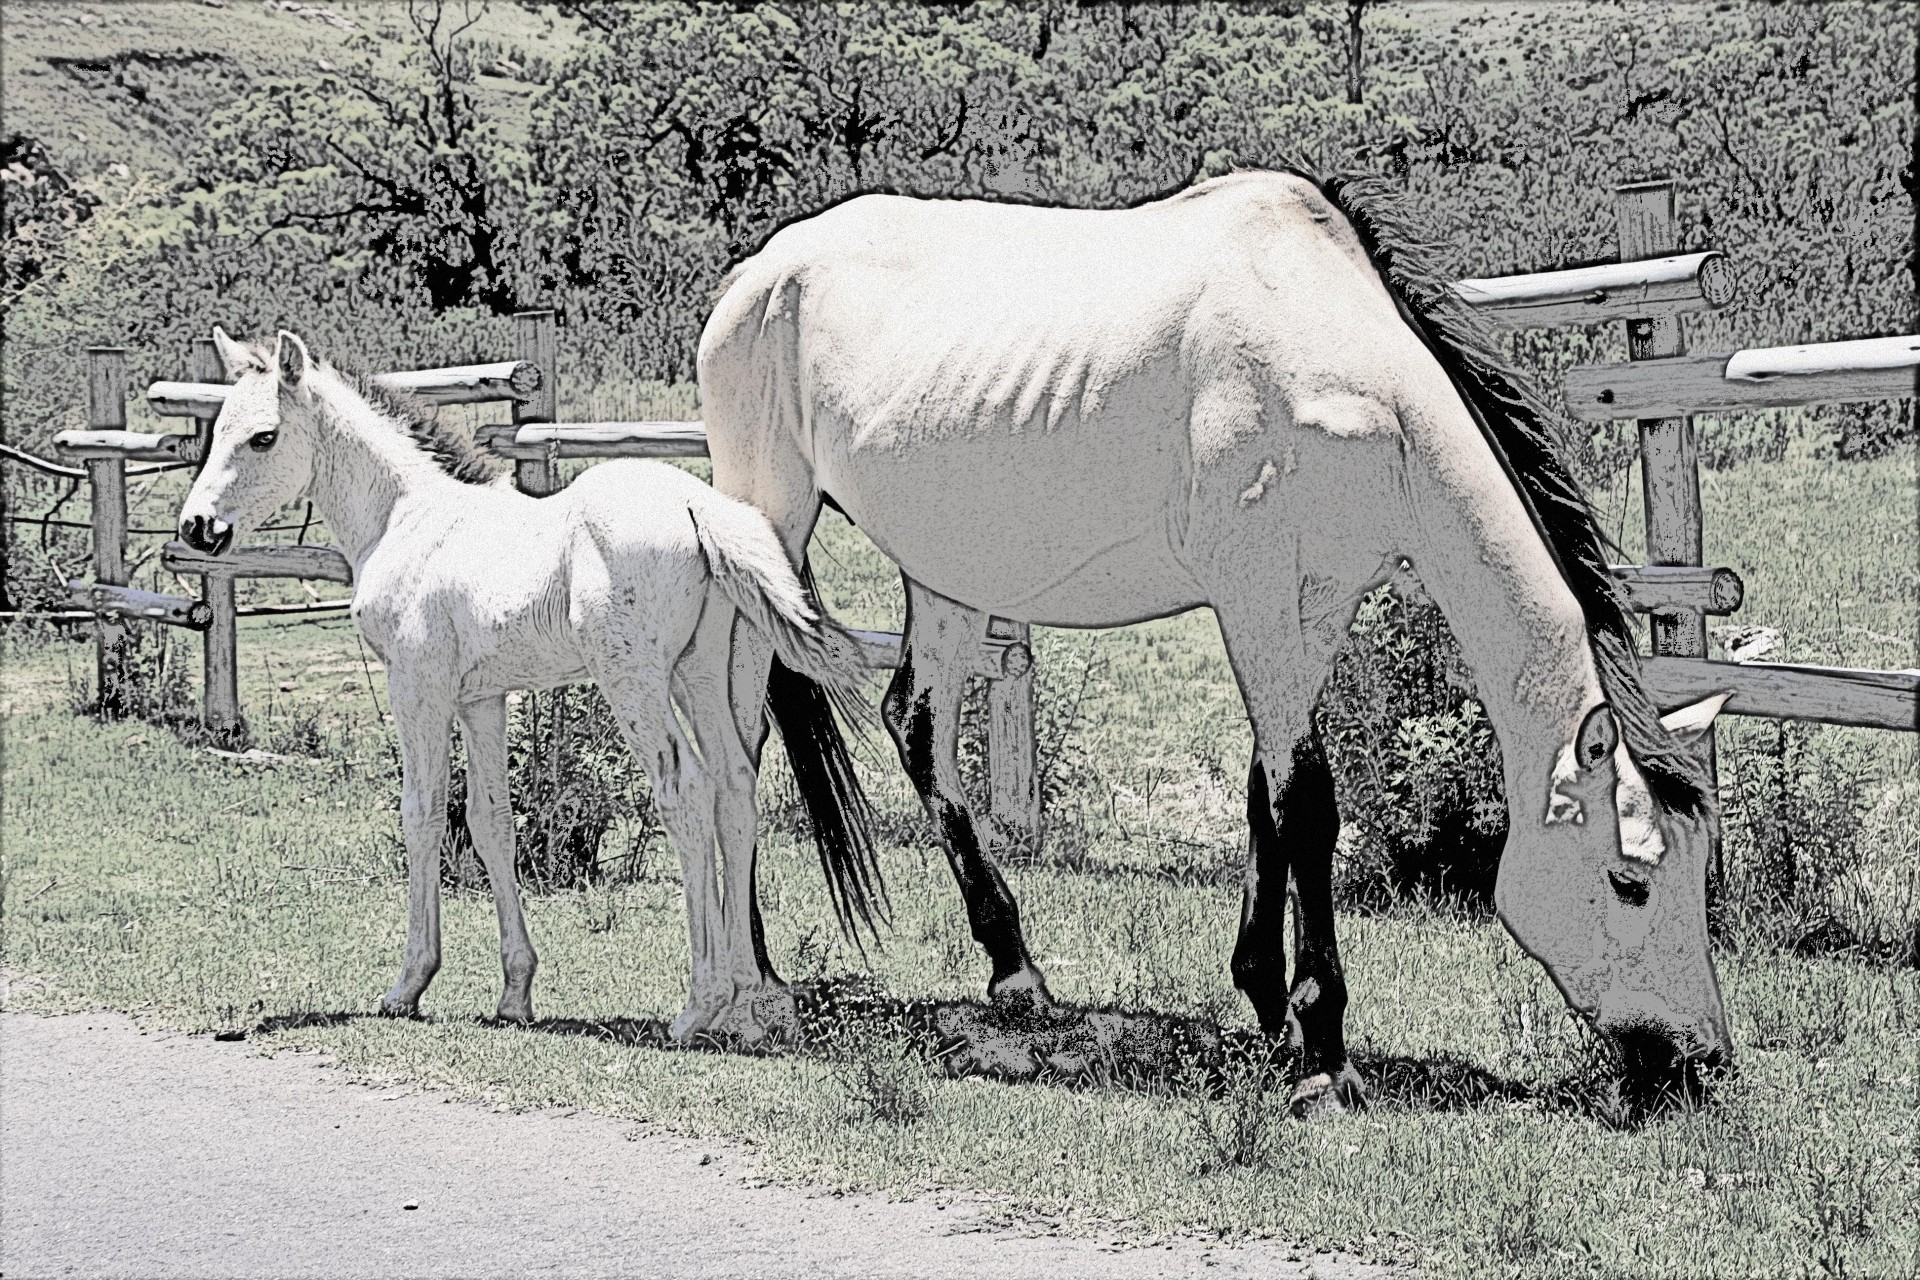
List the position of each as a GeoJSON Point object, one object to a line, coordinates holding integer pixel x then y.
{"type": "Point", "coordinates": [385, 198]}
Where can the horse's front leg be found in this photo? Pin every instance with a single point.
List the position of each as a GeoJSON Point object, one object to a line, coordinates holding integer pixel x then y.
{"type": "Point", "coordinates": [1280, 671]}
{"type": "Point", "coordinates": [490, 822]}
{"type": "Point", "coordinates": [423, 718]}
{"type": "Point", "coordinates": [1298, 833]}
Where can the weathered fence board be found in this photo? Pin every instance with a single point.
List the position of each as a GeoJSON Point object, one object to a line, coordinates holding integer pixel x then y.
{"type": "Point", "coordinates": [1641, 289]}
{"type": "Point", "coordinates": [595, 440]}
{"type": "Point", "coordinates": [1651, 587]}
{"type": "Point", "coordinates": [149, 606]}
{"type": "Point", "coordinates": [1002, 656]}
{"type": "Point", "coordinates": [128, 446]}
{"type": "Point", "coordinates": [1731, 381]}
{"type": "Point", "coordinates": [320, 563]}
{"type": "Point", "coordinates": [458, 384]}
{"type": "Point", "coordinates": [1829, 695]}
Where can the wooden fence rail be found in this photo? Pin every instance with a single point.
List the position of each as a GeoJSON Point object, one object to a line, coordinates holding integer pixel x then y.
{"type": "Point", "coordinates": [1651, 288]}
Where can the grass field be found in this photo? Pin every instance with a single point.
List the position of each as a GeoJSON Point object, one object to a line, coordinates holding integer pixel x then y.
{"type": "Point", "coordinates": [147, 875]}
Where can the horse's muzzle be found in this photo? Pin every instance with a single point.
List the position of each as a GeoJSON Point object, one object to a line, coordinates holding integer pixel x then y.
{"type": "Point", "coordinates": [206, 533]}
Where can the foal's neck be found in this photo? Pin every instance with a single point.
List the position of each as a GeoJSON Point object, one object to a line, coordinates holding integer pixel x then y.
{"type": "Point", "coordinates": [365, 464]}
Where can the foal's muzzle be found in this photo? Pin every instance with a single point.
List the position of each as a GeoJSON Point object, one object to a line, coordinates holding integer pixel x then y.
{"type": "Point", "coordinates": [206, 533]}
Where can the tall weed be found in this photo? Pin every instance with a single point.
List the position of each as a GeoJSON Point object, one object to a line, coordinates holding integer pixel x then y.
{"type": "Point", "coordinates": [572, 784]}
{"type": "Point", "coordinates": [1415, 764]}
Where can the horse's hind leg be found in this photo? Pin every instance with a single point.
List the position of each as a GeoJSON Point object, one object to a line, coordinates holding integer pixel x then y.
{"type": "Point", "coordinates": [762, 1008]}
{"type": "Point", "coordinates": [490, 822]}
{"type": "Point", "coordinates": [638, 691]}
{"type": "Point", "coordinates": [922, 712]}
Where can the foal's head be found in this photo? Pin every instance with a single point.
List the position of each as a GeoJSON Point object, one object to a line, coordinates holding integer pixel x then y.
{"type": "Point", "coordinates": [262, 452]}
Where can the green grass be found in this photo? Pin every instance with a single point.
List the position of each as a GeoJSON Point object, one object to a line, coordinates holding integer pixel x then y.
{"type": "Point", "coordinates": [144, 875]}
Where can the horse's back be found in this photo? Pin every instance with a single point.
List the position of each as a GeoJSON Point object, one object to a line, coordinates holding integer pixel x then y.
{"type": "Point", "coordinates": [1026, 406]}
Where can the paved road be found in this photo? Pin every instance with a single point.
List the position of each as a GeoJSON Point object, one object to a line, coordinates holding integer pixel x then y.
{"type": "Point", "coordinates": [156, 1155]}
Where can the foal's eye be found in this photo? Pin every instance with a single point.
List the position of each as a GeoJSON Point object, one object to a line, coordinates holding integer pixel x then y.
{"type": "Point", "coordinates": [261, 441]}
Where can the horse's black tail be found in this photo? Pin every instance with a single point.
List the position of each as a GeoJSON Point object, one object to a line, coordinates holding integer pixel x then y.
{"type": "Point", "coordinates": [837, 808]}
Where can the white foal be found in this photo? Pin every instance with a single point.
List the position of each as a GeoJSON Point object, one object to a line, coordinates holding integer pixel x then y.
{"type": "Point", "coordinates": [467, 589]}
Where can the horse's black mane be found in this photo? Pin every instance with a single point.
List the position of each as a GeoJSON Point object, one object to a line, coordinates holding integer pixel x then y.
{"type": "Point", "coordinates": [1518, 426]}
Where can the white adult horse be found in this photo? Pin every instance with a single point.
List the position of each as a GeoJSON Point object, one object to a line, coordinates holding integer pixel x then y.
{"type": "Point", "coordinates": [467, 589]}
{"type": "Point", "coordinates": [1227, 398]}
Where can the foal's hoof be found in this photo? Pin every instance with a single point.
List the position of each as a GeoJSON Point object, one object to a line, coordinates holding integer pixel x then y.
{"type": "Point", "coordinates": [704, 1009]}
{"type": "Point", "coordinates": [1328, 1095]}
{"type": "Point", "coordinates": [518, 1010]}
{"type": "Point", "coordinates": [1023, 994]}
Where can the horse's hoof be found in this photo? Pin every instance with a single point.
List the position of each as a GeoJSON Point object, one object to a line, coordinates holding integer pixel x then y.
{"type": "Point", "coordinates": [517, 1011]}
{"type": "Point", "coordinates": [399, 1006]}
{"type": "Point", "coordinates": [1326, 1094]}
{"type": "Point", "coordinates": [1023, 994]}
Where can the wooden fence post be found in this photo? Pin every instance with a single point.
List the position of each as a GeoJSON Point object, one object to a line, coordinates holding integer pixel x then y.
{"type": "Point", "coordinates": [220, 642]}
{"type": "Point", "coordinates": [1669, 465]}
{"type": "Point", "coordinates": [537, 344]}
{"type": "Point", "coordinates": [1013, 776]}
{"type": "Point", "coordinates": [107, 479]}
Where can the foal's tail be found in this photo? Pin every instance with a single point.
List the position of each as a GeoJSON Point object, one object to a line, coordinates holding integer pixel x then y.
{"type": "Point", "coordinates": [817, 668]}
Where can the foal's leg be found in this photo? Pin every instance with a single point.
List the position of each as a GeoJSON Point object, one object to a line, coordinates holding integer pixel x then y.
{"type": "Point", "coordinates": [490, 822]}
{"type": "Point", "coordinates": [423, 719]}
{"type": "Point", "coordinates": [762, 1005]}
{"type": "Point", "coordinates": [639, 694]}
{"type": "Point", "coordinates": [922, 711]}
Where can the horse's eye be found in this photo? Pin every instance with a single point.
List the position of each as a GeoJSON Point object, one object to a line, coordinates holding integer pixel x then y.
{"type": "Point", "coordinates": [262, 441]}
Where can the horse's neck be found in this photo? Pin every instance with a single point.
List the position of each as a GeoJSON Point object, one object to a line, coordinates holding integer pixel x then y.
{"type": "Point", "coordinates": [365, 466]}
{"type": "Point", "coordinates": [1519, 625]}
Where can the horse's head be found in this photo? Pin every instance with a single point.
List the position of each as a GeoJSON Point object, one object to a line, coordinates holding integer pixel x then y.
{"type": "Point", "coordinates": [1612, 899]}
{"type": "Point", "coordinates": [261, 454]}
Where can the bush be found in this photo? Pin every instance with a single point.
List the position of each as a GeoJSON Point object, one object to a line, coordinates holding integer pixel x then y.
{"type": "Point", "coordinates": [572, 781]}
{"type": "Point", "coordinates": [1416, 769]}
{"type": "Point", "coordinates": [883, 1070]}
{"type": "Point", "coordinates": [1230, 1109]}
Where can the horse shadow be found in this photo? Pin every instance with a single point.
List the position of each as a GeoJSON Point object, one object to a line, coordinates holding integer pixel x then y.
{"type": "Point", "coordinates": [1089, 1047]}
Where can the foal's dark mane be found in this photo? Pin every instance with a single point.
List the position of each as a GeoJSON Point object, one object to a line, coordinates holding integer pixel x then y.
{"type": "Point", "coordinates": [456, 455]}
{"type": "Point", "coordinates": [1517, 424]}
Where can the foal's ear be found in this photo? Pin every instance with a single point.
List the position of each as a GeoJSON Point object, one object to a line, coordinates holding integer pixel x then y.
{"type": "Point", "coordinates": [290, 356]}
{"type": "Point", "coordinates": [235, 357]}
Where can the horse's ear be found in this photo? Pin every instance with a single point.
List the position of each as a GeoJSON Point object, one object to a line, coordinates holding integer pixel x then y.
{"type": "Point", "coordinates": [235, 357]}
{"type": "Point", "coordinates": [1690, 724]}
{"type": "Point", "coordinates": [1599, 736]}
{"type": "Point", "coordinates": [290, 356]}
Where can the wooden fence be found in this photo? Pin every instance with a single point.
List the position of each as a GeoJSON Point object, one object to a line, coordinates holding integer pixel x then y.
{"type": "Point", "coordinates": [1651, 288]}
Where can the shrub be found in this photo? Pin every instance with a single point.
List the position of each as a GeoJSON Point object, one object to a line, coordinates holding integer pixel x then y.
{"type": "Point", "coordinates": [571, 779]}
{"type": "Point", "coordinates": [1229, 1108]}
{"type": "Point", "coordinates": [883, 1070]}
{"type": "Point", "coordinates": [1416, 769]}
{"type": "Point", "coordinates": [1797, 802]}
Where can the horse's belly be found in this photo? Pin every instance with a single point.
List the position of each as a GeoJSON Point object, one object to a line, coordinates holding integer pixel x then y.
{"type": "Point", "coordinates": [1031, 529]}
